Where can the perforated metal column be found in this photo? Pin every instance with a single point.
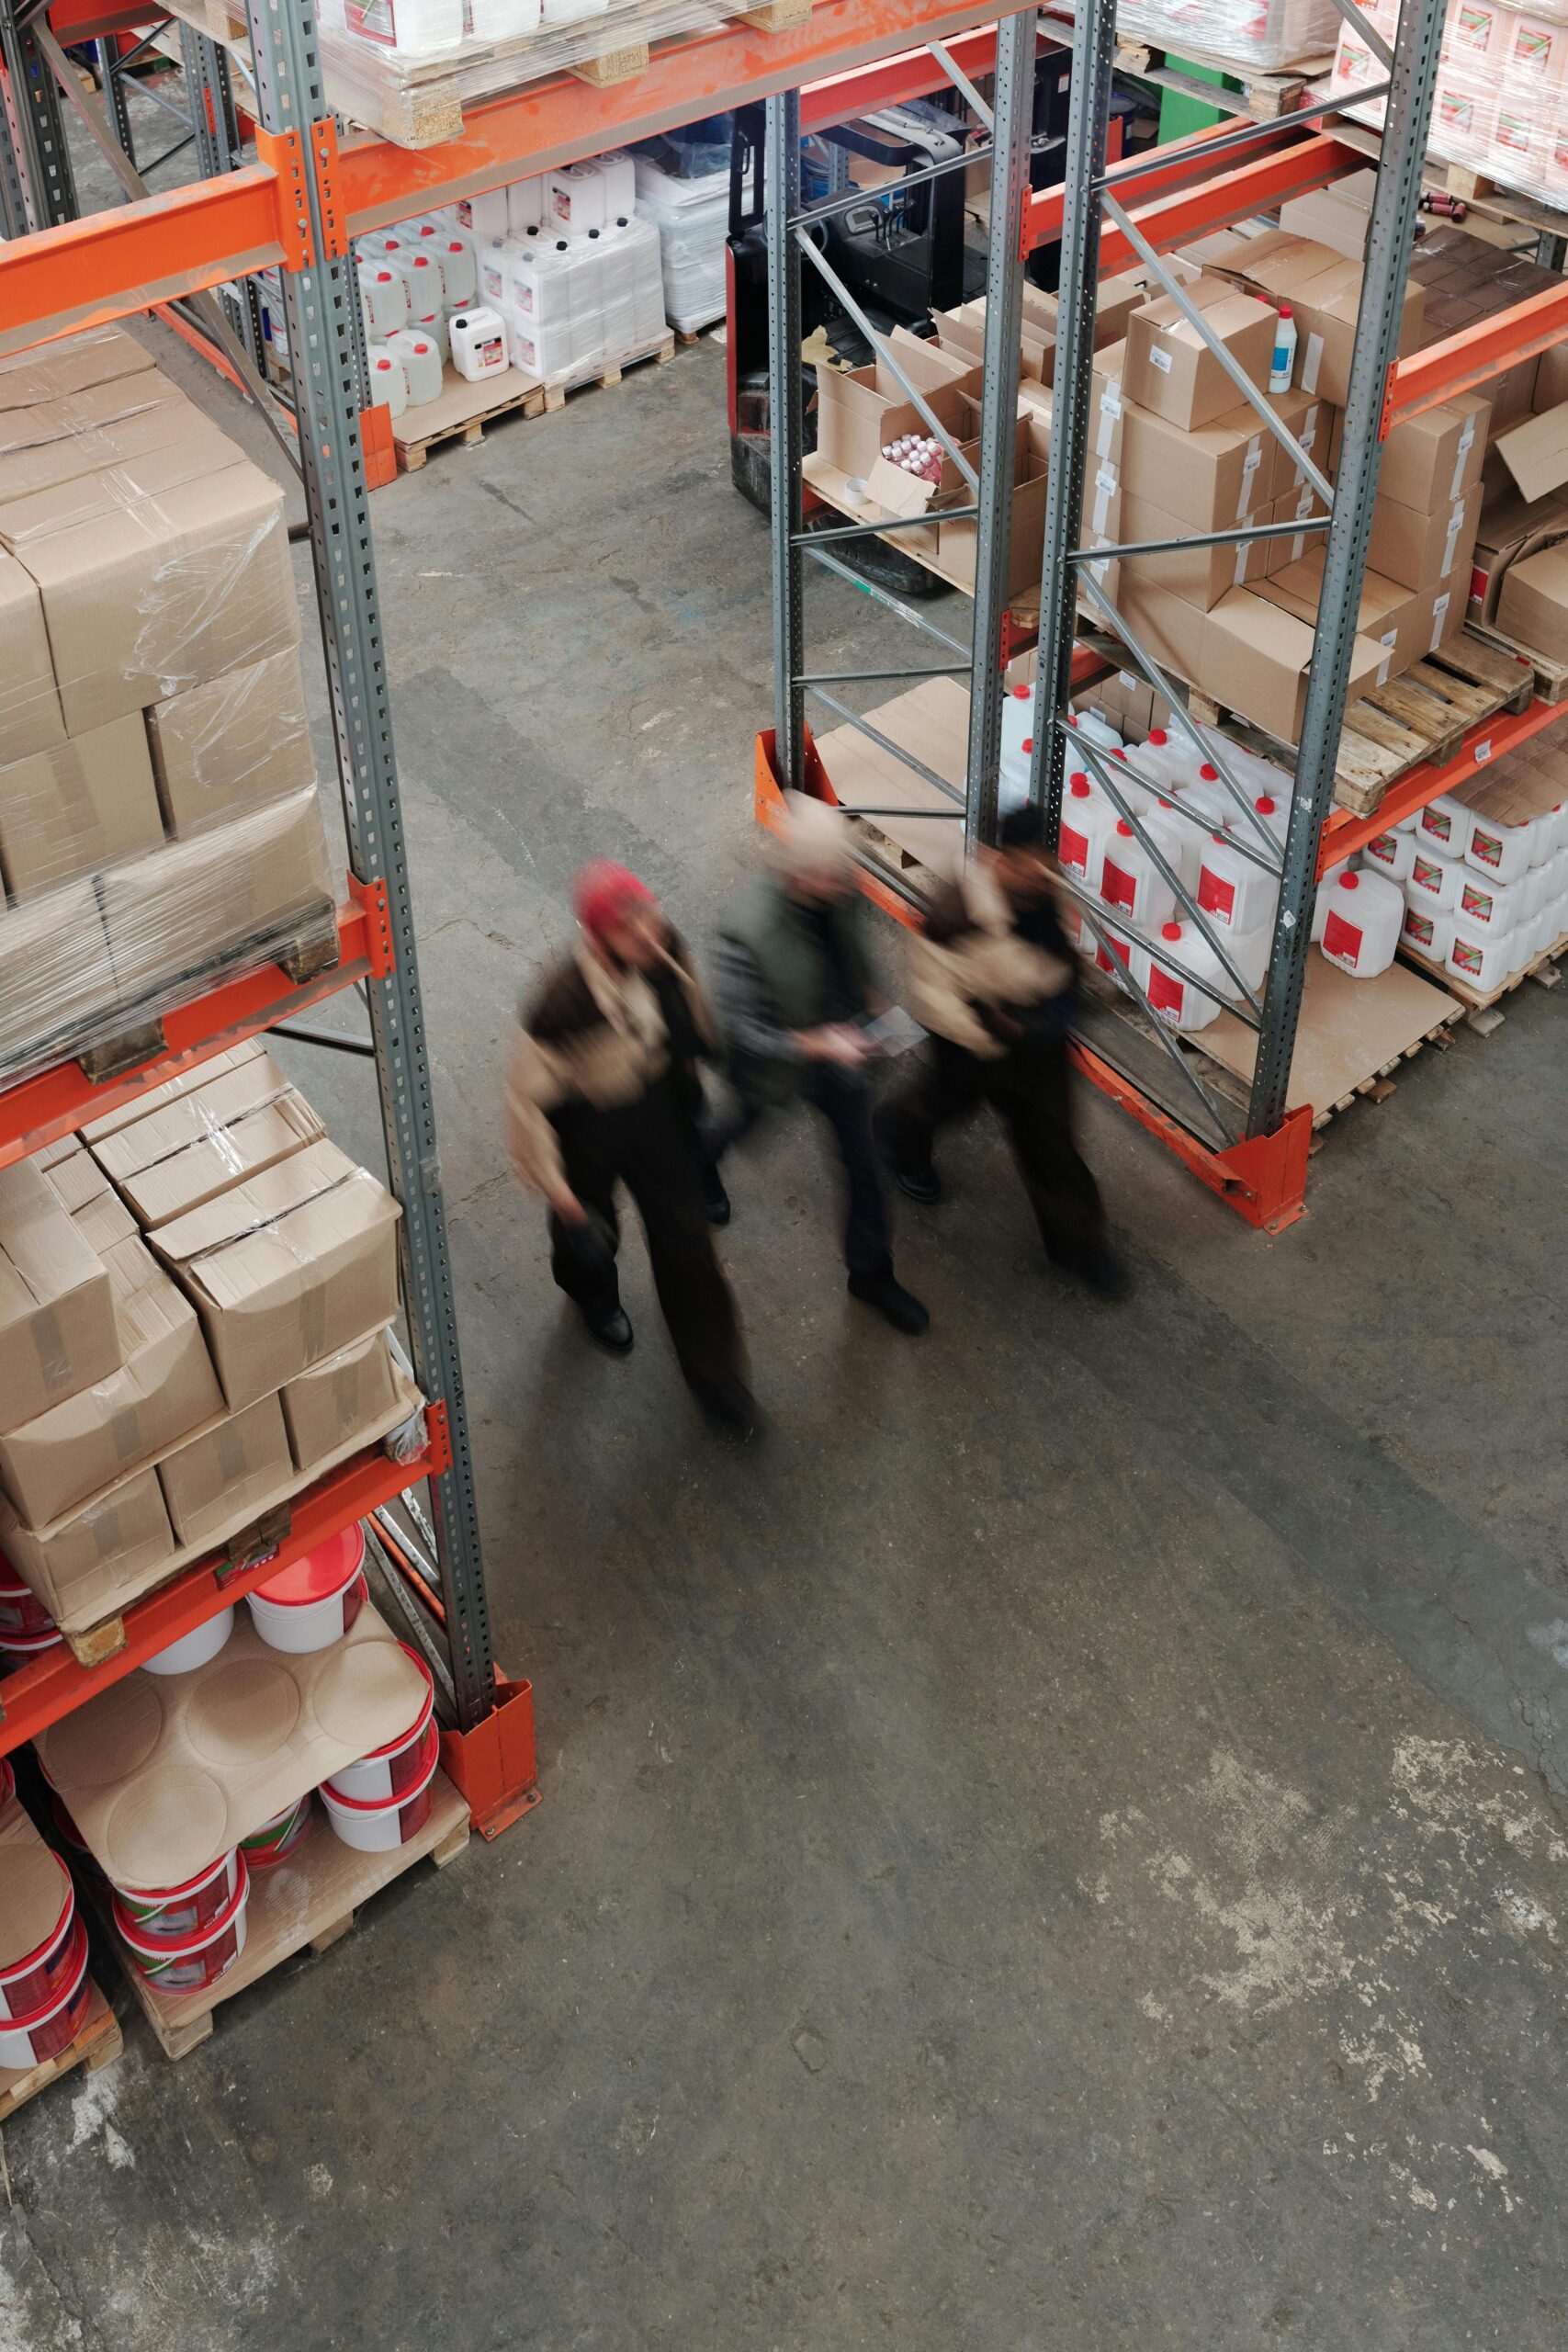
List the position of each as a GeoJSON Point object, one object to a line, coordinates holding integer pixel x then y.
{"type": "Point", "coordinates": [780, 165]}
{"type": "Point", "coordinates": [39, 177]}
{"type": "Point", "coordinates": [322, 305]}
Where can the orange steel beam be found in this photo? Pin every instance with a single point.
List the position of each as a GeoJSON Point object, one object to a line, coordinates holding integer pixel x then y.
{"type": "Point", "coordinates": [37, 1111]}
{"type": "Point", "coordinates": [1168, 216]}
{"type": "Point", "coordinates": [1344, 833]}
{"type": "Point", "coordinates": [37, 1695]}
{"type": "Point", "coordinates": [1428, 377]}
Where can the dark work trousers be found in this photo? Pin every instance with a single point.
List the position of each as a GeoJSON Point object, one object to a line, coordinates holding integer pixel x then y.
{"type": "Point", "coordinates": [845, 1101]}
{"type": "Point", "coordinates": [1031, 1093]}
{"type": "Point", "coordinates": [650, 1147]}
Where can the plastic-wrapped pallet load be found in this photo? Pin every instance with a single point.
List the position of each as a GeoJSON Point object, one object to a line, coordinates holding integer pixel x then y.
{"type": "Point", "coordinates": [684, 188]}
{"type": "Point", "coordinates": [1260, 35]}
{"type": "Point", "coordinates": [158, 812]}
{"type": "Point", "coordinates": [1502, 99]}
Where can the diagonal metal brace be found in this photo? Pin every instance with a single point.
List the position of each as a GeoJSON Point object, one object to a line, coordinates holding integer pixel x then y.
{"type": "Point", "coordinates": [884, 350]}
{"type": "Point", "coordinates": [1370, 34]}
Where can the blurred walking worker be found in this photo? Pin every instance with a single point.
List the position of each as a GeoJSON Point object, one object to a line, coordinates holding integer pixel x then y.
{"type": "Point", "coordinates": [602, 1089]}
{"type": "Point", "coordinates": [994, 983]}
{"type": "Point", "coordinates": [794, 985]}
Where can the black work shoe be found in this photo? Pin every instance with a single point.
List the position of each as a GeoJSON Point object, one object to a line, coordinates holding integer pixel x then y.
{"type": "Point", "coordinates": [613, 1331]}
{"type": "Point", "coordinates": [922, 1184]}
{"type": "Point", "coordinates": [892, 1301]}
{"type": "Point", "coordinates": [1106, 1276]}
{"type": "Point", "coordinates": [715, 1199]}
{"type": "Point", "coordinates": [729, 1407]}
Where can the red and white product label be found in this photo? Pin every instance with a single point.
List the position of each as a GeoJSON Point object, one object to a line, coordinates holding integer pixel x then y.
{"type": "Point", "coordinates": [1074, 850]}
{"type": "Point", "coordinates": [1478, 904]}
{"type": "Point", "coordinates": [1167, 994]}
{"type": "Point", "coordinates": [1419, 928]}
{"type": "Point", "coordinates": [1117, 888]}
{"type": "Point", "coordinates": [1467, 955]}
{"type": "Point", "coordinates": [1427, 877]}
{"type": "Point", "coordinates": [1342, 940]}
{"type": "Point", "coordinates": [1215, 894]}
{"type": "Point", "coordinates": [1486, 847]}
{"type": "Point", "coordinates": [1119, 948]}
{"type": "Point", "coordinates": [492, 352]}
{"type": "Point", "coordinates": [1438, 823]}
{"type": "Point", "coordinates": [1385, 849]}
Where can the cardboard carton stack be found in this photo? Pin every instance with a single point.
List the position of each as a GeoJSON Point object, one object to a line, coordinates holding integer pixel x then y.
{"type": "Point", "coordinates": [157, 791]}
{"type": "Point", "coordinates": [194, 1297]}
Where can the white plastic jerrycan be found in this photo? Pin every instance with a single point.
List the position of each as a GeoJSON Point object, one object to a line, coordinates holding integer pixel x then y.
{"type": "Point", "coordinates": [1362, 922]}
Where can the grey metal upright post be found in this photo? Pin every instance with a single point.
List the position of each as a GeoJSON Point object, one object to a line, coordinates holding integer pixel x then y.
{"type": "Point", "coordinates": [43, 160]}
{"type": "Point", "coordinates": [210, 92]}
{"type": "Point", "coordinates": [1013, 116]}
{"type": "Point", "coordinates": [319, 302]}
{"type": "Point", "coordinates": [1094, 50]}
{"type": "Point", "coordinates": [13, 197]}
{"type": "Point", "coordinates": [1389, 241]}
{"type": "Point", "coordinates": [108, 53]}
{"type": "Point", "coordinates": [781, 166]}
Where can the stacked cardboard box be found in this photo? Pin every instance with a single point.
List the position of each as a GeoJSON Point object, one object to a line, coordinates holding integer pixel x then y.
{"type": "Point", "coordinates": [157, 791]}
{"type": "Point", "coordinates": [195, 1297]}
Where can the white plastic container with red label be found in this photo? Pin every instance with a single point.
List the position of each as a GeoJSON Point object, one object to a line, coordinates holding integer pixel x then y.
{"type": "Point", "coordinates": [1132, 882]}
{"type": "Point", "coordinates": [380, 1825]}
{"type": "Point", "coordinates": [1433, 882]}
{"type": "Point", "coordinates": [1087, 818]}
{"type": "Point", "coordinates": [169, 1914]}
{"type": "Point", "coordinates": [1392, 854]}
{"type": "Point", "coordinates": [392, 1769]}
{"type": "Point", "coordinates": [190, 1963]}
{"type": "Point", "coordinates": [1481, 959]}
{"type": "Point", "coordinates": [1362, 922]}
{"type": "Point", "coordinates": [36, 1978]}
{"type": "Point", "coordinates": [1488, 905]}
{"type": "Point", "coordinates": [1236, 894]}
{"type": "Point", "coordinates": [313, 1603]}
{"type": "Point", "coordinates": [1444, 825]}
{"type": "Point", "coordinates": [1426, 933]}
{"type": "Point", "coordinates": [388, 380]}
{"type": "Point", "coordinates": [50, 2029]}
{"type": "Point", "coordinates": [1172, 994]}
{"type": "Point", "coordinates": [21, 1610]}
{"type": "Point", "coordinates": [1502, 850]}
{"type": "Point", "coordinates": [194, 1649]}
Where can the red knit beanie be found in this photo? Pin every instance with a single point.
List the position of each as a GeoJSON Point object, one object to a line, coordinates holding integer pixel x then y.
{"type": "Point", "coordinates": [602, 893]}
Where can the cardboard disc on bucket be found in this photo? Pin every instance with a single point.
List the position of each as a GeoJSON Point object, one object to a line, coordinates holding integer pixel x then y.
{"type": "Point", "coordinates": [32, 1898]}
{"type": "Point", "coordinates": [242, 1711]}
{"type": "Point", "coordinates": [105, 1741]}
{"type": "Point", "coordinates": [162, 1829]}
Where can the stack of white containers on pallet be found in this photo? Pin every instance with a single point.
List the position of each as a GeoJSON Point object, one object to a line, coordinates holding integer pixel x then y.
{"type": "Point", "coordinates": [690, 208]}
{"type": "Point", "coordinates": [567, 270]}
{"type": "Point", "coordinates": [414, 279]}
{"type": "Point", "coordinates": [1485, 887]}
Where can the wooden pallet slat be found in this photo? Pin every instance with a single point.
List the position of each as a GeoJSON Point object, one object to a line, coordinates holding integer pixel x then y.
{"type": "Point", "coordinates": [1476, 1002]}
{"type": "Point", "coordinates": [1549, 675]}
{"type": "Point", "coordinates": [464, 410]}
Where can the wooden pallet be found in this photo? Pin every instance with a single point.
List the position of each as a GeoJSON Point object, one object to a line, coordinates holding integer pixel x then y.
{"type": "Point", "coordinates": [1265, 96]}
{"type": "Point", "coordinates": [461, 413]}
{"type": "Point", "coordinates": [1477, 1005]}
{"type": "Point", "coordinates": [98, 2044]}
{"type": "Point", "coordinates": [1417, 719]}
{"type": "Point", "coordinates": [1550, 674]}
{"type": "Point", "coordinates": [309, 1900]}
{"type": "Point", "coordinates": [610, 374]}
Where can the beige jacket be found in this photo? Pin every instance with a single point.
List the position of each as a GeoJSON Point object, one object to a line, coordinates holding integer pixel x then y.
{"type": "Point", "coordinates": [969, 954]}
{"type": "Point", "coordinates": [591, 1036]}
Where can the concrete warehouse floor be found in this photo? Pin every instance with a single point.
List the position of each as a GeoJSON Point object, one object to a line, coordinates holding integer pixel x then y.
{"type": "Point", "coordinates": [1062, 1847]}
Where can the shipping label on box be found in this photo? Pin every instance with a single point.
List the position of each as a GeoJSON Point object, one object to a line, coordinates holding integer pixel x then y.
{"type": "Point", "coordinates": [1202, 575]}
{"type": "Point", "coordinates": [287, 1267]}
{"type": "Point", "coordinates": [1170, 368]}
{"type": "Point", "coordinates": [1214, 479]}
{"type": "Point", "coordinates": [58, 1333]}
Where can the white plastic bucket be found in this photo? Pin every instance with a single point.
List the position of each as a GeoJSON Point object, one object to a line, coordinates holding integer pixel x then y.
{"type": "Point", "coordinates": [393, 1770]}
{"type": "Point", "coordinates": [313, 1603]}
{"type": "Point", "coordinates": [45, 2032]}
{"type": "Point", "coordinates": [190, 1963]}
{"type": "Point", "coordinates": [380, 1825]}
{"type": "Point", "coordinates": [194, 1649]}
{"type": "Point", "coordinates": [277, 1838]}
{"type": "Point", "coordinates": [38, 1977]}
{"type": "Point", "coordinates": [165, 1915]}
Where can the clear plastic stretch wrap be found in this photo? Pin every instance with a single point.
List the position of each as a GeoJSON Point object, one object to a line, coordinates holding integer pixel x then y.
{"type": "Point", "coordinates": [1258, 36]}
{"type": "Point", "coordinates": [692, 214]}
{"type": "Point", "coordinates": [158, 813]}
{"type": "Point", "coordinates": [1502, 98]}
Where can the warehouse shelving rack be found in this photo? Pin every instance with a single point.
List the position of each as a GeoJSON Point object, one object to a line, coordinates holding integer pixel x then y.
{"type": "Point", "coordinates": [1113, 217]}
{"type": "Point", "coordinates": [297, 208]}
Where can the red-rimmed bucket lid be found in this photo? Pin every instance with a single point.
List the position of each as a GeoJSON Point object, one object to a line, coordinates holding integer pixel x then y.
{"type": "Point", "coordinates": [167, 1948]}
{"type": "Point", "coordinates": [389, 1804]}
{"type": "Point", "coordinates": [319, 1573]}
{"type": "Point", "coordinates": [22, 1645]}
{"type": "Point", "coordinates": [11, 1583]}
{"type": "Point", "coordinates": [173, 1894]}
{"type": "Point", "coordinates": [46, 2009]}
{"type": "Point", "coordinates": [416, 1729]}
{"type": "Point", "coordinates": [63, 1904]}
